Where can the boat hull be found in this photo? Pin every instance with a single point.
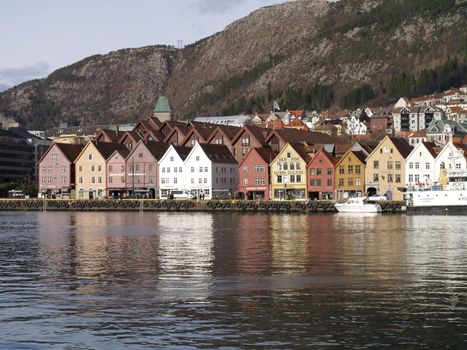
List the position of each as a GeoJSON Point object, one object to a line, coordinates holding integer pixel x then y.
{"type": "Point", "coordinates": [437, 210]}
{"type": "Point", "coordinates": [369, 208]}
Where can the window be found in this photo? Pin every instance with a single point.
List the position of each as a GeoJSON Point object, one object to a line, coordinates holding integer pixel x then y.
{"type": "Point", "coordinates": [110, 168]}
{"type": "Point", "coordinates": [417, 165]}
{"type": "Point", "coordinates": [263, 181]}
{"type": "Point", "coordinates": [288, 155]}
{"type": "Point", "coordinates": [350, 181]}
{"type": "Point", "coordinates": [122, 168]}
{"type": "Point", "coordinates": [341, 169]}
{"type": "Point", "coordinates": [410, 165]}
{"type": "Point", "coordinates": [312, 171]}
{"type": "Point", "coordinates": [358, 181]}
{"type": "Point", "coordinates": [350, 169]}
{"type": "Point", "coordinates": [292, 166]}
{"type": "Point", "coordinates": [256, 181]}
{"type": "Point", "coordinates": [179, 169]}
{"type": "Point", "coordinates": [341, 182]}
{"type": "Point", "coordinates": [398, 178]}
{"type": "Point", "coordinates": [80, 168]}
{"type": "Point", "coordinates": [398, 165]}
{"type": "Point", "coordinates": [200, 169]}
{"type": "Point", "coordinates": [417, 178]}
{"type": "Point", "coordinates": [390, 165]}
{"type": "Point", "coordinates": [205, 180]}
{"type": "Point", "coordinates": [63, 168]}
{"type": "Point", "coordinates": [279, 179]}
{"type": "Point", "coordinates": [54, 157]}
{"type": "Point", "coordinates": [123, 179]}
{"type": "Point", "coordinates": [427, 165]}
{"type": "Point", "coordinates": [375, 164]}
{"type": "Point", "coordinates": [205, 169]}
{"type": "Point", "coordinates": [171, 159]}
{"type": "Point", "coordinates": [99, 179]}
{"type": "Point", "coordinates": [163, 180]}
{"type": "Point", "coordinates": [319, 171]}
{"type": "Point", "coordinates": [197, 158]}
{"type": "Point", "coordinates": [99, 168]}
{"type": "Point", "coordinates": [298, 166]}
{"type": "Point", "coordinates": [192, 169]}
{"type": "Point", "coordinates": [390, 178]}
{"type": "Point", "coordinates": [80, 179]}
{"type": "Point", "coordinates": [200, 180]}
{"type": "Point", "coordinates": [140, 155]}
{"type": "Point", "coordinates": [93, 180]}
{"type": "Point", "coordinates": [151, 180]}
{"type": "Point", "coordinates": [298, 178]}
{"type": "Point", "coordinates": [375, 177]}
{"type": "Point", "coordinates": [292, 178]}
{"type": "Point", "coordinates": [93, 168]}
{"type": "Point", "coordinates": [285, 166]}
{"type": "Point", "coordinates": [90, 156]}
{"type": "Point", "coordinates": [163, 170]}
{"type": "Point", "coordinates": [193, 180]}
{"type": "Point", "coordinates": [411, 178]}
{"type": "Point", "coordinates": [357, 169]}
{"type": "Point", "coordinates": [329, 182]}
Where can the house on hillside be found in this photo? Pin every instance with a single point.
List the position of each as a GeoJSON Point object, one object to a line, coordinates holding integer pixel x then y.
{"type": "Point", "coordinates": [350, 175]}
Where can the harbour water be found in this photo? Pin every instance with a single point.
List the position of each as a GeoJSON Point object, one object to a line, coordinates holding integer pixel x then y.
{"type": "Point", "coordinates": [119, 280]}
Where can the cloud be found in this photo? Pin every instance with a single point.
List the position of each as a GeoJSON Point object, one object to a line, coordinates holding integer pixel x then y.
{"type": "Point", "coordinates": [216, 6]}
{"type": "Point", "coordinates": [14, 76]}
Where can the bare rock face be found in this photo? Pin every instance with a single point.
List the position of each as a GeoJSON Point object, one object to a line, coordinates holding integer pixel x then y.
{"type": "Point", "coordinates": [296, 44]}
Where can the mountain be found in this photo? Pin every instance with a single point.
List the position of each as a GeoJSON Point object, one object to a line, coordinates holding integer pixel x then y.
{"type": "Point", "coordinates": [310, 54]}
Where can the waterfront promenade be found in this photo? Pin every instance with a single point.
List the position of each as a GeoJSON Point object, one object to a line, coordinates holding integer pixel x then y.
{"type": "Point", "coordinates": [179, 205]}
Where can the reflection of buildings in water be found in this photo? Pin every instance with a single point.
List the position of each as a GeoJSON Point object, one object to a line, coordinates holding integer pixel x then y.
{"type": "Point", "coordinates": [289, 243]}
{"type": "Point", "coordinates": [185, 255]}
{"type": "Point", "coordinates": [253, 245]}
{"type": "Point", "coordinates": [436, 244]}
{"type": "Point", "coordinates": [98, 247]}
{"type": "Point", "coordinates": [371, 245]}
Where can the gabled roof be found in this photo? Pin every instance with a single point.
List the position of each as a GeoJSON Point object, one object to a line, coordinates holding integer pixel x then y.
{"type": "Point", "coordinates": [132, 135]}
{"type": "Point", "coordinates": [162, 105]}
{"type": "Point", "coordinates": [432, 148]}
{"type": "Point", "coordinates": [182, 151]}
{"type": "Point", "coordinates": [329, 156]}
{"type": "Point", "coordinates": [106, 149]}
{"type": "Point", "coordinates": [157, 149]}
{"type": "Point", "coordinates": [259, 134]}
{"type": "Point", "coordinates": [155, 122]}
{"type": "Point", "coordinates": [402, 146]}
{"type": "Point", "coordinates": [298, 136]}
{"type": "Point", "coordinates": [70, 151]}
{"type": "Point", "coordinates": [266, 153]}
{"type": "Point", "coordinates": [302, 151]}
{"type": "Point", "coordinates": [218, 153]}
{"type": "Point", "coordinates": [203, 133]}
{"type": "Point", "coordinates": [156, 135]}
{"type": "Point", "coordinates": [360, 155]}
{"type": "Point", "coordinates": [113, 135]}
{"type": "Point", "coordinates": [228, 131]}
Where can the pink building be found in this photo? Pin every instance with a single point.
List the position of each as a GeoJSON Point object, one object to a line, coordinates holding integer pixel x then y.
{"type": "Point", "coordinates": [254, 174]}
{"type": "Point", "coordinates": [320, 176]}
{"type": "Point", "coordinates": [116, 168]}
{"type": "Point", "coordinates": [57, 171]}
{"type": "Point", "coordinates": [142, 169]}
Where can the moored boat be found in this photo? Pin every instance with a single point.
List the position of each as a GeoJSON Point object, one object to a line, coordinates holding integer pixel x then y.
{"type": "Point", "coordinates": [358, 205]}
{"type": "Point", "coordinates": [437, 199]}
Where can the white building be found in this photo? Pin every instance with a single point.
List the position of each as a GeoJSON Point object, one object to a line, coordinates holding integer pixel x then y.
{"type": "Point", "coordinates": [232, 120]}
{"type": "Point", "coordinates": [172, 175]}
{"type": "Point", "coordinates": [420, 165]}
{"type": "Point", "coordinates": [450, 158]}
{"type": "Point", "coordinates": [211, 171]}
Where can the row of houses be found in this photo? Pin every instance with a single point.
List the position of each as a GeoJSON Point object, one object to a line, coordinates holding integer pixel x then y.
{"type": "Point", "coordinates": [293, 171]}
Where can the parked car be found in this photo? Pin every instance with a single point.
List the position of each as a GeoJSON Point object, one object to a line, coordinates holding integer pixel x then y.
{"type": "Point", "coordinates": [181, 194]}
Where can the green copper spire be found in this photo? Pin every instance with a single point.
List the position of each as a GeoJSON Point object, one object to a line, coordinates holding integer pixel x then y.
{"type": "Point", "coordinates": [162, 105]}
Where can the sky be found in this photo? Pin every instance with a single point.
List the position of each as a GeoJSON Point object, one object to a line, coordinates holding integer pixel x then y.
{"type": "Point", "coordinates": [39, 36]}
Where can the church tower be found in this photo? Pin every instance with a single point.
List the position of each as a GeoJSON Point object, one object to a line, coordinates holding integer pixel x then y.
{"type": "Point", "coordinates": [162, 109]}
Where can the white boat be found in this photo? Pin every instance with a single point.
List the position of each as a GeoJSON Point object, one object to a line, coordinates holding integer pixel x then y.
{"type": "Point", "coordinates": [438, 199]}
{"type": "Point", "coordinates": [358, 205]}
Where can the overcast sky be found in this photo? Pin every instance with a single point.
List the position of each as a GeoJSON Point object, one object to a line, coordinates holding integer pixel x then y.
{"type": "Point", "coordinates": [39, 36]}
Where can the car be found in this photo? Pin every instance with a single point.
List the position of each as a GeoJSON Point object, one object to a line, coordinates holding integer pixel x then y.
{"type": "Point", "coordinates": [377, 198]}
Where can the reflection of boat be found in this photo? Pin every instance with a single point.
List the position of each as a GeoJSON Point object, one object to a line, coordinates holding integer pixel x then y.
{"type": "Point", "coordinates": [439, 199]}
{"type": "Point", "coordinates": [358, 205]}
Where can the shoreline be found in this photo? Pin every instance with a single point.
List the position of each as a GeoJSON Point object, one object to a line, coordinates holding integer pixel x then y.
{"type": "Point", "coordinates": [179, 205]}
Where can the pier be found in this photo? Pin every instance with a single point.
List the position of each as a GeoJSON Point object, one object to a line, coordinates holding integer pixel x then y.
{"type": "Point", "coordinates": [180, 205]}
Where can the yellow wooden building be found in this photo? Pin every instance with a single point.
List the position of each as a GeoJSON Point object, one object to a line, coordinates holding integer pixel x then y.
{"type": "Point", "coordinates": [288, 173]}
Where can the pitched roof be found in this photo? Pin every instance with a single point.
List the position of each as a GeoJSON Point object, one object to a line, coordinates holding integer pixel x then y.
{"type": "Point", "coordinates": [106, 149]}
{"type": "Point", "coordinates": [131, 134]}
{"type": "Point", "coordinates": [157, 149]}
{"type": "Point", "coordinates": [112, 135]}
{"type": "Point", "coordinates": [266, 153]}
{"type": "Point", "coordinates": [402, 146]}
{"type": "Point", "coordinates": [71, 151]}
{"type": "Point", "coordinates": [218, 153]}
{"type": "Point", "coordinates": [360, 155]}
{"type": "Point", "coordinates": [162, 105]}
{"type": "Point", "coordinates": [308, 137]}
{"type": "Point", "coordinates": [432, 148]}
{"type": "Point", "coordinates": [182, 151]}
{"type": "Point", "coordinates": [302, 151]}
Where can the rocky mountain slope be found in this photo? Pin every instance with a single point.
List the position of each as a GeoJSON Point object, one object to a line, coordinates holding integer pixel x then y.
{"type": "Point", "coordinates": [304, 53]}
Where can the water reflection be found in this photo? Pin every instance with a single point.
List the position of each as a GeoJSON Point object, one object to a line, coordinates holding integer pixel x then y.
{"type": "Point", "coordinates": [164, 280]}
